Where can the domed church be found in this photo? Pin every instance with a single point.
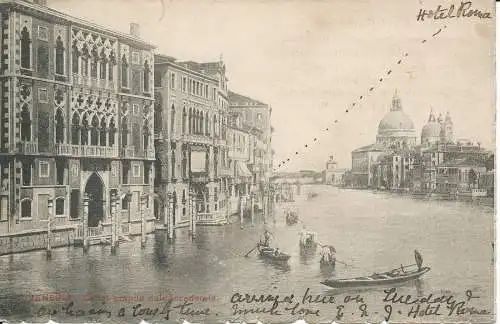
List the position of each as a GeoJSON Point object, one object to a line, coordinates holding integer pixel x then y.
{"type": "Point", "coordinates": [438, 130]}
{"type": "Point", "coordinates": [396, 129]}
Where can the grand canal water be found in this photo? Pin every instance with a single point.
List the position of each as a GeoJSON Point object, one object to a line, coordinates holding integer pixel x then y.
{"type": "Point", "coordinates": [372, 232]}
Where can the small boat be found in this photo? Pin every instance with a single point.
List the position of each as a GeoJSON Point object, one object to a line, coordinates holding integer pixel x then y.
{"type": "Point", "coordinates": [312, 195]}
{"type": "Point", "coordinates": [273, 254]}
{"type": "Point", "coordinates": [308, 240]}
{"type": "Point", "coordinates": [396, 275]}
{"type": "Point", "coordinates": [389, 277]}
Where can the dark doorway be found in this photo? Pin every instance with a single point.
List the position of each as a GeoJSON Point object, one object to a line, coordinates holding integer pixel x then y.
{"type": "Point", "coordinates": [94, 190]}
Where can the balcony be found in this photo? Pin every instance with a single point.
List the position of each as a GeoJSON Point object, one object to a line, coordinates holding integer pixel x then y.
{"type": "Point", "coordinates": [97, 151]}
{"type": "Point", "coordinates": [86, 151]}
{"type": "Point", "coordinates": [29, 148]}
{"type": "Point", "coordinates": [150, 154]}
{"type": "Point", "coordinates": [197, 138]}
{"type": "Point", "coordinates": [200, 177]}
{"type": "Point", "coordinates": [213, 218]}
{"type": "Point", "coordinates": [63, 149]}
{"type": "Point", "coordinates": [225, 172]}
{"type": "Point", "coordinates": [219, 142]}
{"type": "Point", "coordinates": [128, 152]}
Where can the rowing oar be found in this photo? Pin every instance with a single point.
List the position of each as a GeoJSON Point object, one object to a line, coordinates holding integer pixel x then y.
{"type": "Point", "coordinates": [246, 255]}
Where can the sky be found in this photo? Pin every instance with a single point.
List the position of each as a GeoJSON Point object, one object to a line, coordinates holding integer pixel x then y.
{"type": "Point", "coordinates": [311, 59]}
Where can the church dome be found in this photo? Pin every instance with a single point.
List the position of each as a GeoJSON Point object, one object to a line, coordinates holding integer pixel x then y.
{"type": "Point", "coordinates": [431, 131]}
{"type": "Point", "coordinates": [396, 119]}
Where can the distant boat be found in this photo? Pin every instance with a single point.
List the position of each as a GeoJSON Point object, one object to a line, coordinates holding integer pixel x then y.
{"type": "Point", "coordinates": [292, 217]}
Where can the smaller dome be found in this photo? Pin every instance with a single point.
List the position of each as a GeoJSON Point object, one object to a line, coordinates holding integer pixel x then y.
{"type": "Point", "coordinates": [430, 131]}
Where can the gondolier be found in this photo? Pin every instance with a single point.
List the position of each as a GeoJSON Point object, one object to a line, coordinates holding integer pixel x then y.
{"type": "Point", "coordinates": [418, 260]}
{"type": "Point", "coordinates": [267, 238]}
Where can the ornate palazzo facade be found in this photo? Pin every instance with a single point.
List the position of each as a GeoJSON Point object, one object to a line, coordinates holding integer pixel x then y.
{"type": "Point", "coordinates": [190, 137]}
{"type": "Point", "coordinates": [76, 135]}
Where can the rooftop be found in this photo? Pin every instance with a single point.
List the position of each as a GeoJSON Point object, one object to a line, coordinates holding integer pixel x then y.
{"type": "Point", "coordinates": [33, 8]}
{"type": "Point", "coordinates": [236, 99]}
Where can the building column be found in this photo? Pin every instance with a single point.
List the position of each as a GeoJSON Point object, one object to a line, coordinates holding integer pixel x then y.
{"type": "Point", "coordinates": [114, 221]}
{"type": "Point", "coordinates": [49, 229]}
{"type": "Point", "coordinates": [170, 215]}
{"type": "Point", "coordinates": [85, 221]}
{"type": "Point", "coordinates": [252, 212]}
{"type": "Point", "coordinates": [194, 215]}
{"type": "Point", "coordinates": [241, 212]}
{"type": "Point", "coordinates": [142, 207]}
{"type": "Point", "coordinates": [211, 164]}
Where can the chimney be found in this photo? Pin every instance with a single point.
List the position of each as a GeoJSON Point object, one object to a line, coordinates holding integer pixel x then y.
{"type": "Point", "coordinates": [135, 30]}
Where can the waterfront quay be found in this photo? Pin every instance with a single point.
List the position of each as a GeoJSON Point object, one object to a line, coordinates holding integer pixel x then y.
{"type": "Point", "coordinates": [453, 237]}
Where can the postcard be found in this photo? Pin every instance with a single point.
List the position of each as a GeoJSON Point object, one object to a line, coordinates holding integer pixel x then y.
{"type": "Point", "coordinates": [217, 161]}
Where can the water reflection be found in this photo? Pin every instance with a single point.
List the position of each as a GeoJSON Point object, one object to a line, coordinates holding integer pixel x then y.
{"type": "Point", "coordinates": [379, 231]}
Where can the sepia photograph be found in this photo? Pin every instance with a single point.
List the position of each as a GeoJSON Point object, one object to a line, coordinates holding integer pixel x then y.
{"type": "Point", "coordinates": [247, 161]}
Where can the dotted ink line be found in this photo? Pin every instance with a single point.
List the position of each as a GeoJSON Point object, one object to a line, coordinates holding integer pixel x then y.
{"type": "Point", "coordinates": [362, 97]}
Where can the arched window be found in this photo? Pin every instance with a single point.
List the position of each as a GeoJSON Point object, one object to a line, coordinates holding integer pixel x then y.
{"type": "Point", "coordinates": [94, 131]}
{"type": "Point", "coordinates": [111, 64]}
{"type": "Point", "coordinates": [25, 123]}
{"type": "Point", "coordinates": [207, 157]}
{"type": "Point", "coordinates": [59, 206]}
{"type": "Point", "coordinates": [172, 120]}
{"type": "Point", "coordinates": [59, 56]}
{"type": "Point", "coordinates": [75, 129]}
{"type": "Point", "coordinates": [102, 132]}
{"type": "Point", "coordinates": [158, 115]}
{"type": "Point", "coordinates": [112, 132]}
{"type": "Point", "coordinates": [26, 208]}
{"type": "Point", "coordinates": [74, 58]}
{"type": "Point", "coordinates": [125, 202]}
{"type": "Point", "coordinates": [93, 63]}
{"type": "Point", "coordinates": [173, 162]}
{"type": "Point", "coordinates": [25, 49]}
{"type": "Point", "coordinates": [124, 131]}
{"type": "Point", "coordinates": [59, 126]}
{"type": "Point", "coordinates": [216, 130]}
{"type": "Point", "coordinates": [84, 131]}
{"type": "Point", "coordinates": [85, 61]}
{"type": "Point", "coordinates": [146, 135]}
{"type": "Point", "coordinates": [197, 122]}
{"type": "Point", "coordinates": [147, 70]}
{"type": "Point", "coordinates": [202, 122]}
{"type": "Point", "coordinates": [184, 116]}
{"type": "Point", "coordinates": [184, 163]}
{"type": "Point", "coordinates": [207, 129]}
{"type": "Point", "coordinates": [124, 72]}
{"type": "Point", "coordinates": [102, 69]}
{"type": "Point", "coordinates": [190, 121]}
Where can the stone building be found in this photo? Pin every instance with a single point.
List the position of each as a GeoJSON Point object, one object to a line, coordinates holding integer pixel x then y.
{"type": "Point", "coordinates": [77, 121]}
{"type": "Point", "coordinates": [396, 131]}
{"type": "Point", "coordinates": [253, 118]}
{"type": "Point", "coordinates": [333, 175]}
{"type": "Point", "coordinates": [190, 136]}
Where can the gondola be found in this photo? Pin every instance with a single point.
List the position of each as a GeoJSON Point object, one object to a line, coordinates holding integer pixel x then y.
{"type": "Point", "coordinates": [270, 253]}
{"type": "Point", "coordinates": [396, 275]}
{"type": "Point", "coordinates": [292, 217]}
{"type": "Point", "coordinates": [389, 277]}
